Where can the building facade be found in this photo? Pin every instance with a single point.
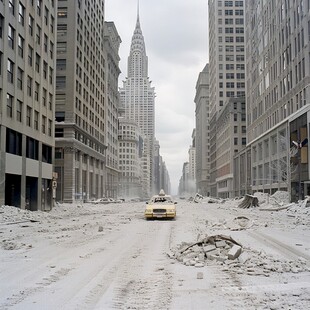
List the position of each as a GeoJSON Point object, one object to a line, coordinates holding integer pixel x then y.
{"type": "Point", "coordinates": [27, 96]}
{"type": "Point", "coordinates": [138, 99]}
{"type": "Point", "coordinates": [202, 139]}
{"type": "Point", "coordinates": [230, 140]}
{"type": "Point", "coordinates": [227, 73]}
{"type": "Point", "coordinates": [85, 129]}
{"type": "Point", "coordinates": [278, 70]}
{"type": "Point", "coordinates": [130, 159]}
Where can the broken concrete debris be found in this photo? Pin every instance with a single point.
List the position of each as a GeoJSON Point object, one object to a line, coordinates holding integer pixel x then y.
{"type": "Point", "coordinates": [218, 247]}
{"type": "Point", "coordinates": [249, 201]}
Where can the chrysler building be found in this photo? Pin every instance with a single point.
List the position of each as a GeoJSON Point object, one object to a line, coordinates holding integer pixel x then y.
{"type": "Point", "coordinates": [137, 99]}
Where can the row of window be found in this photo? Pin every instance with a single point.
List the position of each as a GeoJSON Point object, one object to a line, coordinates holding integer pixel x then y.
{"type": "Point", "coordinates": [14, 146]}
{"type": "Point", "coordinates": [15, 109]}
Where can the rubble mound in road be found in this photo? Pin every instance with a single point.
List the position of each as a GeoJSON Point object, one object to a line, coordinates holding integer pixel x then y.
{"type": "Point", "coordinates": [234, 258]}
{"type": "Point", "coordinates": [218, 247]}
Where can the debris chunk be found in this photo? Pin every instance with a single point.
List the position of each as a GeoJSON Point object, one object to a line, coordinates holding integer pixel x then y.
{"type": "Point", "coordinates": [234, 252]}
{"type": "Point", "coordinates": [249, 201]}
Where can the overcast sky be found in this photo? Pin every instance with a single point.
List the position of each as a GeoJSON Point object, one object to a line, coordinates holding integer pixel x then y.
{"type": "Point", "coordinates": [175, 35]}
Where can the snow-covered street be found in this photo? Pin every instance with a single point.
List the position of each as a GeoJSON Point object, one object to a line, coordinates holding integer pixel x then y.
{"type": "Point", "coordinates": [109, 257]}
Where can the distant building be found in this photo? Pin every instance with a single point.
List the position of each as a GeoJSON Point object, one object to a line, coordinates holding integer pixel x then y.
{"type": "Point", "coordinates": [130, 158]}
{"type": "Point", "coordinates": [202, 140]}
{"type": "Point", "coordinates": [192, 165]}
{"type": "Point", "coordinates": [138, 99]}
{"type": "Point", "coordinates": [27, 97]}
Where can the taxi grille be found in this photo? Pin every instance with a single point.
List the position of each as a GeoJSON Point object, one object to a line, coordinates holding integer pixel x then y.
{"type": "Point", "coordinates": [159, 210]}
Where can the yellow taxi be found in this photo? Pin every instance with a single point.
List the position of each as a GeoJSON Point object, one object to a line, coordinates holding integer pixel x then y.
{"type": "Point", "coordinates": [160, 206]}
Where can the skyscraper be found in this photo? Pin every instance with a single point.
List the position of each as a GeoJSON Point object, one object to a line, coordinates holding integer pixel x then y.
{"type": "Point", "coordinates": [227, 81]}
{"type": "Point", "coordinates": [86, 158]}
{"type": "Point", "coordinates": [138, 99]}
{"type": "Point", "coordinates": [27, 96]}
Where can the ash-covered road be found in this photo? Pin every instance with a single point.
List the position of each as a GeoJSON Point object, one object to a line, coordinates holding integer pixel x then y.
{"type": "Point", "coordinates": [109, 257]}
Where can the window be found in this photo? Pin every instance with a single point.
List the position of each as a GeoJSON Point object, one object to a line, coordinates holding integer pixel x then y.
{"type": "Point", "coordinates": [38, 35]}
{"type": "Point", "coordinates": [19, 80]}
{"type": "Point", "coordinates": [240, 85]}
{"type": "Point", "coordinates": [43, 124]}
{"type": "Point", "coordinates": [49, 128]}
{"type": "Point", "coordinates": [52, 24]}
{"type": "Point", "coordinates": [62, 12]}
{"type": "Point", "coordinates": [1, 26]}
{"type": "Point", "coordinates": [230, 67]}
{"type": "Point", "coordinates": [32, 148]}
{"type": "Point", "coordinates": [9, 105]}
{"type": "Point", "coordinates": [36, 91]}
{"type": "Point", "coordinates": [37, 64]}
{"type": "Point", "coordinates": [39, 7]}
{"type": "Point", "coordinates": [239, 57]}
{"type": "Point", "coordinates": [45, 70]}
{"type": "Point", "coordinates": [44, 93]}
{"type": "Point", "coordinates": [29, 86]}
{"type": "Point", "coordinates": [230, 84]}
{"type": "Point", "coordinates": [50, 102]}
{"type": "Point", "coordinates": [239, 21]}
{"type": "Point", "coordinates": [21, 14]}
{"type": "Point", "coordinates": [239, 39]}
{"type": "Point", "coordinates": [30, 24]}
{"type": "Point", "coordinates": [240, 67]}
{"type": "Point", "coordinates": [10, 71]}
{"type": "Point", "coordinates": [46, 154]}
{"type": "Point", "coordinates": [30, 55]}
{"type": "Point", "coordinates": [240, 76]}
{"type": "Point", "coordinates": [13, 142]}
{"type": "Point", "coordinates": [45, 43]}
{"type": "Point", "coordinates": [36, 120]}
{"type": "Point", "coordinates": [51, 72]}
{"type": "Point", "coordinates": [46, 14]}
{"type": "Point", "coordinates": [239, 12]}
{"type": "Point", "coordinates": [12, 6]}
{"type": "Point", "coordinates": [235, 141]}
{"type": "Point", "coordinates": [51, 49]}
{"type": "Point", "coordinates": [239, 48]}
{"type": "Point", "coordinates": [21, 46]}
{"type": "Point", "coordinates": [11, 36]}
{"type": "Point", "coordinates": [19, 105]}
{"type": "Point", "coordinates": [28, 116]}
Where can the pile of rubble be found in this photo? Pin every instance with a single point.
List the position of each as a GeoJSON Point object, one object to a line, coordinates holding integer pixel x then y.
{"type": "Point", "coordinates": [218, 247]}
{"type": "Point", "coordinates": [233, 257]}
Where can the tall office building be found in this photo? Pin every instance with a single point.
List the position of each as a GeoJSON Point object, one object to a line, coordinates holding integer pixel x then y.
{"type": "Point", "coordinates": [278, 92]}
{"type": "Point", "coordinates": [27, 94]}
{"type": "Point", "coordinates": [86, 101]}
{"type": "Point", "coordinates": [202, 133]}
{"type": "Point", "coordinates": [138, 99]}
{"type": "Point", "coordinates": [227, 81]}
